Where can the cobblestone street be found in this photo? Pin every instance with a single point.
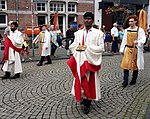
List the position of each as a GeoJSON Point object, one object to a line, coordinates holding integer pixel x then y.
{"type": "Point", "coordinates": [44, 93]}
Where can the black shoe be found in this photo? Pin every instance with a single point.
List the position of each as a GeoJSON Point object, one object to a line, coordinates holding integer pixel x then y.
{"type": "Point", "coordinates": [124, 84]}
{"type": "Point", "coordinates": [5, 77]}
{"type": "Point", "coordinates": [82, 101]}
{"type": "Point", "coordinates": [16, 76]}
{"type": "Point", "coordinates": [87, 104]}
{"type": "Point", "coordinates": [48, 63]}
{"type": "Point", "coordinates": [39, 64]}
{"type": "Point", "coordinates": [133, 82]}
{"type": "Point", "coordinates": [86, 110]}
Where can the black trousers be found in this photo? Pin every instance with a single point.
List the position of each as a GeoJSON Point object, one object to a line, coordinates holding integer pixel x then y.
{"type": "Point", "coordinates": [114, 47]}
{"type": "Point", "coordinates": [53, 49]}
{"type": "Point", "coordinates": [68, 44]}
{"type": "Point", "coordinates": [126, 75]}
{"type": "Point", "coordinates": [43, 58]}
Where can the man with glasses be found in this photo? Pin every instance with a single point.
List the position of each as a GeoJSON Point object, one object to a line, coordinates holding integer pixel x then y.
{"type": "Point", "coordinates": [85, 63]}
{"type": "Point", "coordinates": [132, 48]}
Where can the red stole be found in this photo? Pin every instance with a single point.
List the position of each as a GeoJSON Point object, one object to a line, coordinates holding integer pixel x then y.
{"type": "Point", "coordinates": [8, 44]}
{"type": "Point", "coordinates": [89, 87]}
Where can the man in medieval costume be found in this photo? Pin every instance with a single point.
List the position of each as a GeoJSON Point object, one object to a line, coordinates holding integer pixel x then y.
{"type": "Point", "coordinates": [12, 48]}
{"type": "Point", "coordinates": [85, 63]}
{"type": "Point", "coordinates": [132, 48]}
{"type": "Point", "coordinates": [44, 45]}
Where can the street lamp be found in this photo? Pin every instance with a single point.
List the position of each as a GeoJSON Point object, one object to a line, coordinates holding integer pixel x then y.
{"type": "Point", "coordinates": [17, 11]}
{"type": "Point", "coordinates": [32, 15]}
{"type": "Point", "coordinates": [0, 7]}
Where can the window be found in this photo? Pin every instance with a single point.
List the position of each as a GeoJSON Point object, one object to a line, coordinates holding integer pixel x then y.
{"type": "Point", "coordinates": [71, 7]}
{"type": "Point", "coordinates": [57, 6]}
{"type": "Point", "coordinates": [71, 19]}
{"type": "Point", "coordinates": [3, 19]}
{"type": "Point", "coordinates": [2, 4]}
{"type": "Point", "coordinates": [41, 20]}
{"type": "Point", "coordinates": [41, 7]}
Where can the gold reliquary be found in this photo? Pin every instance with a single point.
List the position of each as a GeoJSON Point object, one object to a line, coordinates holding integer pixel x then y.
{"type": "Point", "coordinates": [81, 48]}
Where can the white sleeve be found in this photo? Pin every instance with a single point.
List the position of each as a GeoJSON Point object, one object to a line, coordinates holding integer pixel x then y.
{"type": "Point", "coordinates": [101, 42]}
{"type": "Point", "coordinates": [123, 43]}
{"type": "Point", "coordinates": [112, 31]}
{"type": "Point", "coordinates": [5, 32]}
{"type": "Point", "coordinates": [36, 39]}
{"type": "Point", "coordinates": [47, 39]}
{"type": "Point", "coordinates": [75, 44]}
{"type": "Point", "coordinates": [141, 37]}
{"type": "Point", "coordinates": [19, 39]}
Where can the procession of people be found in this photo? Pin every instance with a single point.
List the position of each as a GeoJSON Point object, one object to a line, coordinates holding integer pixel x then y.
{"type": "Point", "coordinates": [84, 47]}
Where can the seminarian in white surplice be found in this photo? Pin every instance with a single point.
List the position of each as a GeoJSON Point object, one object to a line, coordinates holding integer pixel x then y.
{"type": "Point", "coordinates": [12, 48]}
{"type": "Point", "coordinates": [85, 63]}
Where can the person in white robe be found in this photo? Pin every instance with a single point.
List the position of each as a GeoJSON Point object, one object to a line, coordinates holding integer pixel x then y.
{"type": "Point", "coordinates": [11, 59]}
{"type": "Point", "coordinates": [132, 50]}
{"type": "Point", "coordinates": [85, 63]}
{"type": "Point", "coordinates": [44, 45]}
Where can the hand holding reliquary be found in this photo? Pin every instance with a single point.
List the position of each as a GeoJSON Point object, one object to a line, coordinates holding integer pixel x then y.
{"type": "Point", "coordinates": [81, 48]}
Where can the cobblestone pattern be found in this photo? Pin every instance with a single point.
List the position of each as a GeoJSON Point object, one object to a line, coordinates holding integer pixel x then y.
{"type": "Point", "coordinates": [44, 93]}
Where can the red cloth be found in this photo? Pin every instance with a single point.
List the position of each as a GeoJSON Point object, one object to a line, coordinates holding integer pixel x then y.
{"type": "Point", "coordinates": [8, 44]}
{"type": "Point", "coordinates": [83, 40]}
{"type": "Point", "coordinates": [89, 87]}
{"type": "Point", "coordinates": [55, 22]}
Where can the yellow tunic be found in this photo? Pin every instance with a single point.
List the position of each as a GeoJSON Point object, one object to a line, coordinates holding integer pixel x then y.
{"type": "Point", "coordinates": [41, 36]}
{"type": "Point", "coordinates": [129, 60]}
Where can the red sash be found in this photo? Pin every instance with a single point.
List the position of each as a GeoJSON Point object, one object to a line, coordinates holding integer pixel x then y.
{"type": "Point", "coordinates": [8, 44]}
{"type": "Point", "coordinates": [89, 87]}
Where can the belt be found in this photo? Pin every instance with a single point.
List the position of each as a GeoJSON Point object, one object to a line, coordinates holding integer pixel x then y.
{"type": "Point", "coordinates": [42, 42]}
{"type": "Point", "coordinates": [130, 46]}
{"type": "Point", "coordinates": [70, 38]}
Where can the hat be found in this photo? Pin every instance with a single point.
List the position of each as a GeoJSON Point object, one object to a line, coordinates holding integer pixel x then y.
{"type": "Point", "coordinates": [44, 25]}
{"type": "Point", "coordinates": [132, 16]}
{"type": "Point", "coordinates": [114, 24]}
{"type": "Point", "coordinates": [10, 22]}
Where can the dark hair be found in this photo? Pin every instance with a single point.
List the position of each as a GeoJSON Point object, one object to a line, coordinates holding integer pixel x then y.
{"type": "Point", "coordinates": [14, 23]}
{"type": "Point", "coordinates": [79, 25]}
{"type": "Point", "coordinates": [70, 25]}
{"type": "Point", "coordinates": [89, 14]}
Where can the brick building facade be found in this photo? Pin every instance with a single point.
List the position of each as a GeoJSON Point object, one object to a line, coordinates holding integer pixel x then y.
{"type": "Point", "coordinates": [133, 6]}
{"type": "Point", "coordinates": [69, 11]}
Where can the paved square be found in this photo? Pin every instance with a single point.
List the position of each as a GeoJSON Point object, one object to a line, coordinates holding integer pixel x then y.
{"type": "Point", "coordinates": [44, 93]}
